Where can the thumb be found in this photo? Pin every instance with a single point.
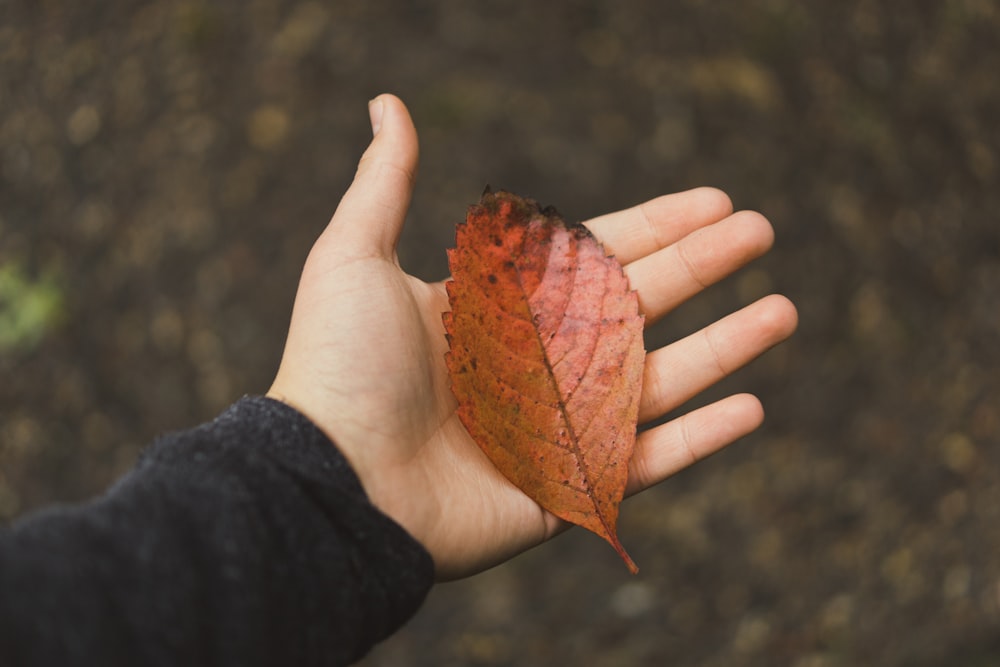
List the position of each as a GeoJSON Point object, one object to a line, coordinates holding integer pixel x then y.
{"type": "Point", "coordinates": [370, 216]}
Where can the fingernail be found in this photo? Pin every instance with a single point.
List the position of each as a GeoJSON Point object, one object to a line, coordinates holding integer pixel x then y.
{"type": "Point", "coordinates": [375, 113]}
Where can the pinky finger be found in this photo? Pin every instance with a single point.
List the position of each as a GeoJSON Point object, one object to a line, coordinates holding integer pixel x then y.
{"type": "Point", "coordinates": [669, 448]}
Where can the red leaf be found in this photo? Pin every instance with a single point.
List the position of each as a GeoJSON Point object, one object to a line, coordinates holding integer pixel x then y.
{"type": "Point", "coordinates": [546, 357]}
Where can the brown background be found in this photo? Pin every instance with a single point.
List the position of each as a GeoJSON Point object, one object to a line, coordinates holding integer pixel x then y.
{"type": "Point", "coordinates": [164, 168]}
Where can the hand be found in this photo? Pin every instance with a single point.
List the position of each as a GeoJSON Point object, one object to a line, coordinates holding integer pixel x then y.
{"type": "Point", "coordinates": [364, 358]}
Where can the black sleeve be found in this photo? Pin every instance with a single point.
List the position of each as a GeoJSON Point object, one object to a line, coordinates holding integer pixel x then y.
{"type": "Point", "coordinates": [245, 541]}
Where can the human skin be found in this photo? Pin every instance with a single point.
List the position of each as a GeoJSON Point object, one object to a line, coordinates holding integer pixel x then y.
{"type": "Point", "coordinates": [364, 358]}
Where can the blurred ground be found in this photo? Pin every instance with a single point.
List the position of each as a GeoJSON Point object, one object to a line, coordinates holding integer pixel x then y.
{"type": "Point", "coordinates": [164, 167]}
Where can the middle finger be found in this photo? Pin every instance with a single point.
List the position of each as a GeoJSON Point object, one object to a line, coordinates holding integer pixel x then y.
{"type": "Point", "coordinates": [670, 276]}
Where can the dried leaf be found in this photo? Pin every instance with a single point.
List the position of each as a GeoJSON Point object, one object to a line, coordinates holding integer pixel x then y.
{"type": "Point", "coordinates": [546, 357]}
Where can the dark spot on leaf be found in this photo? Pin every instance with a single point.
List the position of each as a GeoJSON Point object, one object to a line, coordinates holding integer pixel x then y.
{"type": "Point", "coordinates": [492, 278]}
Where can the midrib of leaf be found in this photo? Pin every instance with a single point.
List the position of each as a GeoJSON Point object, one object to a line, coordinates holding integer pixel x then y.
{"type": "Point", "coordinates": [563, 412]}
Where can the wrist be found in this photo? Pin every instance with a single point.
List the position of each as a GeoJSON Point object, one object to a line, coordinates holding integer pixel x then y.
{"type": "Point", "coordinates": [382, 484]}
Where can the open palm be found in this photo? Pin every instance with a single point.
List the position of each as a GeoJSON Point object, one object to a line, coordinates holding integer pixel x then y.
{"type": "Point", "coordinates": [364, 358]}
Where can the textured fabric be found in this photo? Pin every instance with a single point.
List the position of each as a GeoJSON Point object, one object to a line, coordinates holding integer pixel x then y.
{"type": "Point", "coordinates": [245, 541]}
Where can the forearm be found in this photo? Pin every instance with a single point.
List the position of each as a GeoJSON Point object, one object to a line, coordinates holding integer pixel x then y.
{"type": "Point", "coordinates": [245, 541]}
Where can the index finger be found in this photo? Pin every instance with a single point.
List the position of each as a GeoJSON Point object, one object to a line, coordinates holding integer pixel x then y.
{"type": "Point", "coordinates": [635, 232]}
